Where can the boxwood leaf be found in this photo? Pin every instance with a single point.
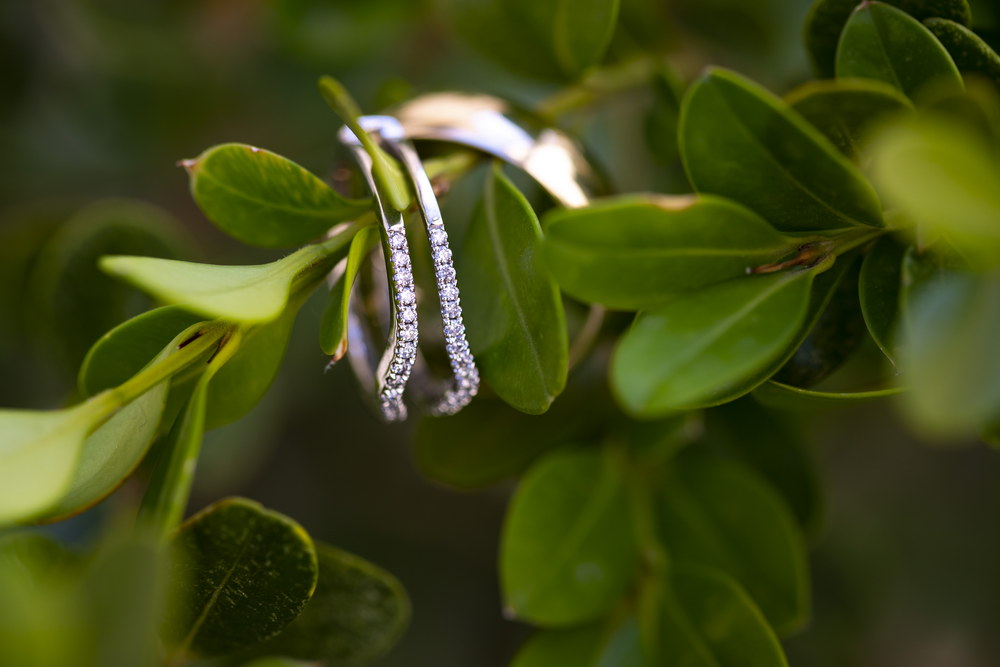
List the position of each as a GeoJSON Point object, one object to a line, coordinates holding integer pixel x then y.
{"type": "Point", "coordinates": [971, 54]}
{"type": "Point", "coordinates": [566, 552]}
{"type": "Point", "coordinates": [846, 110]}
{"type": "Point", "coordinates": [73, 303]}
{"type": "Point", "coordinates": [239, 575]}
{"type": "Point", "coordinates": [778, 395]}
{"type": "Point", "coordinates": [123, 351]}
{"type": "Point", "coordinates": [707, 620]}
{"type": "Point", "coordinates": [549, 40]}
{"type": "Point", "coordinates": [586, 646]}
{"type": "Point", "coordinates": [60, 462]}
{"type": "Point", "coordinates": [513, 310]}
{"type": "Point", "coordinates": [772, 447]}
{"type": "Point", "coordinates": [878, 289]}
{"type": "Point", "coordinates": [886, 44]}
{"type": "Point", "coordinates": [943, 178]}
{"type": "Point", "coordinates": [741, 142]}
{"type": "Point", "coordinates": [709, 343]}
{"type": "Point", "coordinates": [263, 199]}
{"type": "Point", "coordinates": [333, 329]}
{"type": "Point", "coordinates": [39, 454]}
{"type": "Point", "coordinates": [240, 293]}
{"type": "Point", "coordinates": [639, 251]}
{"type": "Point", "coordinates": [951, 359]}
{"type": "Point", "coordinates": [356, 614]}
{"type": "Point", "coordinates": [833, 338]}
{"type": "Point", "coordinates": [827, 18]}
{"type": "Point", "coordinates": [718, 514]}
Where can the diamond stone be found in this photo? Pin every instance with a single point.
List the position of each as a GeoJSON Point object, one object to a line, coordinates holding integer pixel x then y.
{"type": "Point", "coordinates": [442, 255]}
{"type": "Point", "coordinates": [406, 297]}
{"type": "Point", "coordinates": [438, 237]}
{"type": "Point", "coordinates": [408, 333]}
{"type": "Point", "coordinates": [397, 241]}
{"type": "Point", "coordinates": [403, 277]}
{"type": "Point", "coordinates": [408, 315]}
{"type": "Point", "coordinates": [449, 292]}
{"type": "Point", "coordinates": [400, 258]}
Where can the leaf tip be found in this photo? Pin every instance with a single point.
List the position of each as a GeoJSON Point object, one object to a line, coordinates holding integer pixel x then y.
{"type": "Point", "coordinates": [189, 164]}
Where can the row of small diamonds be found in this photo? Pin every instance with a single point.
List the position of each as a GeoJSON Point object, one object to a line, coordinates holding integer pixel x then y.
{"type": "Point", "coordinates": [466, 381]}
{"type": "Point", "coordinates": [405, 348]}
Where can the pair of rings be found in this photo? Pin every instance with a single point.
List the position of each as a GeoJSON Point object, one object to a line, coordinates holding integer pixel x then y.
{"type": "Point", "coordinates": [480, 122]}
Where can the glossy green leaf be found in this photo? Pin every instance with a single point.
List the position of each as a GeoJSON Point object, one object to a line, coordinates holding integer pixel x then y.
{"type": "Point", "coordinates": [123, 351]}
{"type": "Point", "coordinates": [578, 31]}
{"type": "Point", "coordinates": [827, 19]}
{"type": "Point", "coordinates": [567, 552]}
{"type": "Point", "coordinates": [878, 289]}
{"type": "Point", "coordinates": [943, 178]}
{"type": "Point", "coordinates": [950, 356]}
{"type": "Point", "coordinates": [775, 449]}
{"type": "Point", "coordinates": [707, 620]}
{"type": "Point", "coordinates": [38, 457]}
{"type": "Point", "coordinates": [240, 574]}
{"type": "Point", "coordinates": [586, 646]}
{"type": "Point", "coordinates": [512, 307]}
{"type": "Point", "coordinates": [111, 453]}
{"type": "Point", "coordinates": [971, 54]}
{"type": "Point", "coordinates": [778, 395]}
{"type": "Point", "coordinates": [847, 110]}
{"type": "Point", "coordinates": [356, 614]}
{"type": "Point", "coordinates": [833, 337]}
{"type": "Point", "coordinates": [242, 383]}
{"type": "Point", "coordinates": [333, 329]}
{"type": "Point", "coordinates": [886, 44]}
{"type": "Point", "coordinates": [709, 343]}
{"type": "Point", "coordinates": [73, 303]}
{"type": "Point", "coordinates": [240, 293]}
{"type": "Point", "coordinates": [741, 142]}
{"type": "Point", "coordinates": [664, 115]}
{"type": "Point", "coordinates": [387, 172]}
{"type": "Point", "coordinates": [718, 514]}
{"type": "Point", "coordinates": [262, 199]}
{"type": "Point", "coordinates": [638, 251]}
{"type": "Point", "coordinates": [169, 488]}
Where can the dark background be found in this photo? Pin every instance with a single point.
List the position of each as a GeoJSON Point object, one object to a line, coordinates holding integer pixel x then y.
{"type": "Point", "coordinates": [101, 98]}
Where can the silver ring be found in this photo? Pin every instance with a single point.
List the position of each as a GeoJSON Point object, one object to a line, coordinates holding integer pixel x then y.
{"type": "Point", "coordinates": [392, 370]}
{"type": "Point", "coordinates": [464, 383]}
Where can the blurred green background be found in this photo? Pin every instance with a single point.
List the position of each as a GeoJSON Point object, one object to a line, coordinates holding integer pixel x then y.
{"type": "Point", "coordinates": [101, 98]}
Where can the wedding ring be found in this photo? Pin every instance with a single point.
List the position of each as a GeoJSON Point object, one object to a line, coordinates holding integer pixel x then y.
{"type": "Point", "coordinates": [392, 371]}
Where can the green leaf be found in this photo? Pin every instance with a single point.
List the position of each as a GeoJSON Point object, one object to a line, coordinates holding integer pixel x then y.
{"type": "Point", "coordinates": [386, 170]}
{"type": "Point", "coordinates": [950, 356]}
{"type": "Point", "coordinates": [566, 552]}
{"type": "Point", "coordinates": [847, 110]}
{"type": "Point", "coordinates": [578, 31]}
{"type": "Point", "coordinates": [718, 514]}
{"type": "Point", "coordinates": [549, 40]}
{"type": "Point", "coordinates": [971, 54]}
{"type": "Point", "coordinates": [512, 308]}
{"type": "Point", "coordinates": [827, 19]}
{"type": "Point", "coordinates": [778, 395]}
{"type": "Point", "coordinates": [126, 349]}
{"type": "Point", "coordinates": [741, 142]}
{"type": "Point", "coordinates": [169, 488]}
{"type": "Point", "coordinates": [239, 293]}
{"type": "Point", "coordinates": [775, 449]}
{"type": "Point", "coordinates": [661, 123]}
{"type": "Point", "coordinates": [240, 574]}
{"type": "Point", "coordinates": [38, 455]}
{"type": "Point", "coordinates": [942, 177]}
{"type": "Point", "coordinates": [709, 343]}
{"type": "Point", "coordinates": [833, 337]}
{"type": "Point", "coordinates": [73, 303]}
{"type": "Point", "coordinates": [586, 646]}
{"type": "Point", "coordinates": [262, 199]}
{"type": "Point", "coordinates": [333, 329]}
{"type": "Point", "coordinates": [356, 614]}
{"type": "Point", "coordinates": [640, 251]}
{"type": "Point", "coordinates": [242, 383]}
{"type": "Point", "coordinates": [883, 43]}
{"type": "Point", "coordinates": [709, 621]}
{"type": "Point", "coordinates": [878, 289]}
